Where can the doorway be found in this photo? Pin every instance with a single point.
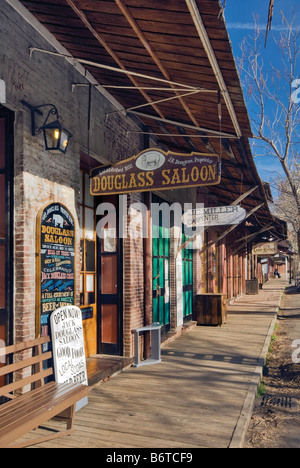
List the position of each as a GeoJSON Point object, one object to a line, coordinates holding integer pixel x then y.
{"type": "Point", "coordinates": [161, 270]}
{"type": "Point", "coordinates": [187, 277]}
{"type": "Point", "coordinates": [110, 278]}
{"type": "Point", "coordinates": [6, 225]}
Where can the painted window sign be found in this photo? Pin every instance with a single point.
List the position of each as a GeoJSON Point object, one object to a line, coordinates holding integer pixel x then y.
{"type": "Point", "coordinates": [154, 169]}
{"type": "Point", "coordinates": [55, 263]}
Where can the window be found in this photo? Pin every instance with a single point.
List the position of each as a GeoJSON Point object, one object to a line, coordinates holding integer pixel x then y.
{"type": "Point", "coordinates": [87, 244]}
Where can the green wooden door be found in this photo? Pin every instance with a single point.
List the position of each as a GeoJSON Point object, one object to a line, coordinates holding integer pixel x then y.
{"type": "Point", "coordinates": [187, 278]}
{"type": "Point", "coordinates": [161, 272]}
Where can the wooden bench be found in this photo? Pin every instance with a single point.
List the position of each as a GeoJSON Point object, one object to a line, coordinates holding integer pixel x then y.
{"type": "Point", "coordinates": [20, 414]}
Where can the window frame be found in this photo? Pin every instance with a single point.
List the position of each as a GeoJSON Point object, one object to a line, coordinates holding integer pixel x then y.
{"type": "Point", "coordinates": [84, 295]}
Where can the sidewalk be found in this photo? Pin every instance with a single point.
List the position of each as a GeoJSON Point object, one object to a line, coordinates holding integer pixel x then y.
{"type": "Point", "coordinates": [201, 395]}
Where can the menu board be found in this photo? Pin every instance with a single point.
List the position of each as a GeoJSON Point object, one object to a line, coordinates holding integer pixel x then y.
{"type": "Point", "coordinates": [68, 347]}
{"type": "Point", "coordinates": [55, 263]}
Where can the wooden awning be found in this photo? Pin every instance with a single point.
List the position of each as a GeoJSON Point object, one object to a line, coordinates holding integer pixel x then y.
{"type": "Point", "coordinates": [170, 64]}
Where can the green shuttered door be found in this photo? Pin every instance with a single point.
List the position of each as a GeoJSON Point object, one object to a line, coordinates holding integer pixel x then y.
{"type": "Point", "coordinates": [161, 279]}
{"type": "Point", "coordinates": [187, 277]}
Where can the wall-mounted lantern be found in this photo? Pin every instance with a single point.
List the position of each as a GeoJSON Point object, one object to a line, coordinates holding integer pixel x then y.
{"type": "Point", "coordinates": [56, 137]}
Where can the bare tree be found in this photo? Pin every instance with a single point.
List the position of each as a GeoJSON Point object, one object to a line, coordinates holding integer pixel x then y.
{"type": "Point", "coordinates": [285, 206]}
{"type": "Point", "coordinates": [276, 108]}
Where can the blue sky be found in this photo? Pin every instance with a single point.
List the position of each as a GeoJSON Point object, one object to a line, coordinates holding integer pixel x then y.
{"type": "Point", "coordinates": [239, 15]}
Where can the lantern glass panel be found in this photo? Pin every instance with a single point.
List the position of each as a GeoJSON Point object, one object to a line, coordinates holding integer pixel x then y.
{"type": "Point", "coordinates": [56, 139]}
{"type": "Point", "coordinates": [52, 138]}
{"type": "Point", "coordinates": [64, 139]}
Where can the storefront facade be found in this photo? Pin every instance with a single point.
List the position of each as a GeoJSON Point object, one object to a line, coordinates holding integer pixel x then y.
{"type": "Point", "coordinates": [107, 275]}
{"type": "Point", "coordinates": [55, 247]}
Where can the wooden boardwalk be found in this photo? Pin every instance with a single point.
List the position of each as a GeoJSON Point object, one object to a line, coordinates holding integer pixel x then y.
{"type": "Point", "coordinates": [194, 398]}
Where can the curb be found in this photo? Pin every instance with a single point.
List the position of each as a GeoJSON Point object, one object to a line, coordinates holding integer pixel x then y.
{"type": "Point", "coordinates": [241, 428]}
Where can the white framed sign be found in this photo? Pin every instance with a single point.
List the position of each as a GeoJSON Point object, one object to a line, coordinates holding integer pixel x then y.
{"type": "Point", "coordinates": [214, 216]}
{"type": "Point", "coordinates": [68, 347]}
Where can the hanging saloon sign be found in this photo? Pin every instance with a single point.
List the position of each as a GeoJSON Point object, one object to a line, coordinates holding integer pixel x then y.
{"type": "Point", "coordinates": [154, 169]}
{"type": "Point", "coordinates": [55, 263]}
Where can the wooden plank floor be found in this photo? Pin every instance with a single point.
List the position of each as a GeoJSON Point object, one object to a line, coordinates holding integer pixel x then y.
{"type": "Point", "coordinates": [192, 399]}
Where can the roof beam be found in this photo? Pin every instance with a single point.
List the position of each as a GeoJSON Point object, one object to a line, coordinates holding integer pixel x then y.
{"type": "Point", "coordinates": [250, 239]}
{"type": "Point", "coordinates": [244, 195]}
{"type": "Point", "coordinates": [190, 93]}
{"type": "Point", "coordinates": [86, 22]}
{"type": "Point", "coordinates": [225, 233]}
{"type": "Point", "coordinates": [184, 125]}
{"type": "Point", "coordinates": [194, 11]}
{"type": "Point", "coordinates": [152, 54]}
{"type": "Point", "coordinates": [122, 71]}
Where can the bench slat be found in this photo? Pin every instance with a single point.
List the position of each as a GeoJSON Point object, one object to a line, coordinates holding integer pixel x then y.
{"type": "Point", "coordinates": [43, 413]}
{"type": "Point", "coordinates": [19, 403]}
{"type": "Point", "coordinates": [22, 346]}
{"type": "Point", "coordinates": [26, 381]}
{"type": "Point", "coordinates": [25, 363]}
{"type": "Point", "coordinates": [32, 401]}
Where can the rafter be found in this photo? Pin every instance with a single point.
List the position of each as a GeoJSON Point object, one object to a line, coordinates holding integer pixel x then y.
{"type": "Point", "coordinates": [190, 93]}
{"type": "Point", "coordinates": [153, 54]}
{"type": "Point", "coordinates": [104, 44]}
{"type": "Point", "coordinates": [194, 11]}
{"type": "Point", "coordinates": [184, 125]}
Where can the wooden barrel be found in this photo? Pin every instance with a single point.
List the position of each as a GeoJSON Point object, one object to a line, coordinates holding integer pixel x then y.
{"type": "Point", "coordinates": [252, 286]}
{"type": "Point", "coordinates": [210, 309]}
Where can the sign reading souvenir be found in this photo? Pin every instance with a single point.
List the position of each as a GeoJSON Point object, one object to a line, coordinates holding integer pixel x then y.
{"type": "Point", "coordinates": [154, 169]}
{"type": "Point", "coordinates": [214, 216]}
{"type": "Point", "coordinates": [267, 248]}
{"type": "Point", "coordinates": [68, 347]}
{"type": "Point", "coordinates": [55, 263]}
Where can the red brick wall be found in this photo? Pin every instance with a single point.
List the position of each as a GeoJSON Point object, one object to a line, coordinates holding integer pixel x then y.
{"type": "Point", "coordinates": [133, 283]}
{"type": "Point", "coordinates": [41, 177]}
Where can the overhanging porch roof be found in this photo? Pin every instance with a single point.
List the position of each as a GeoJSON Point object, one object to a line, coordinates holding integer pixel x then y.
{"type": "Point", "coordinates": [170, 64]}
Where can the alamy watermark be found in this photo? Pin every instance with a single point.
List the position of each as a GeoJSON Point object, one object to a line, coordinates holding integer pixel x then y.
{"type": "Point", "coordinates": [296, 94]}
{"type": "Point", "coordinates": [296, 353]}
{"type": "Point", "coordinates": [131, 221]}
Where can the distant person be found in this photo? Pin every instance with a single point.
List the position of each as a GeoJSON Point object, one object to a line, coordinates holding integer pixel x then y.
{"type": "Point", "coordinates": [276, 273]}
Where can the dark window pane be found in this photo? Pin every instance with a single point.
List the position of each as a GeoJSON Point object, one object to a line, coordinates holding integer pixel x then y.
{"type": "Point", "coordinates": [90, 256]}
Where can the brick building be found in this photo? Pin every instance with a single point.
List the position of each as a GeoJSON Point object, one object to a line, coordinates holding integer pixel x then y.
{"type": "Point", "coordinates": [48, 56]}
